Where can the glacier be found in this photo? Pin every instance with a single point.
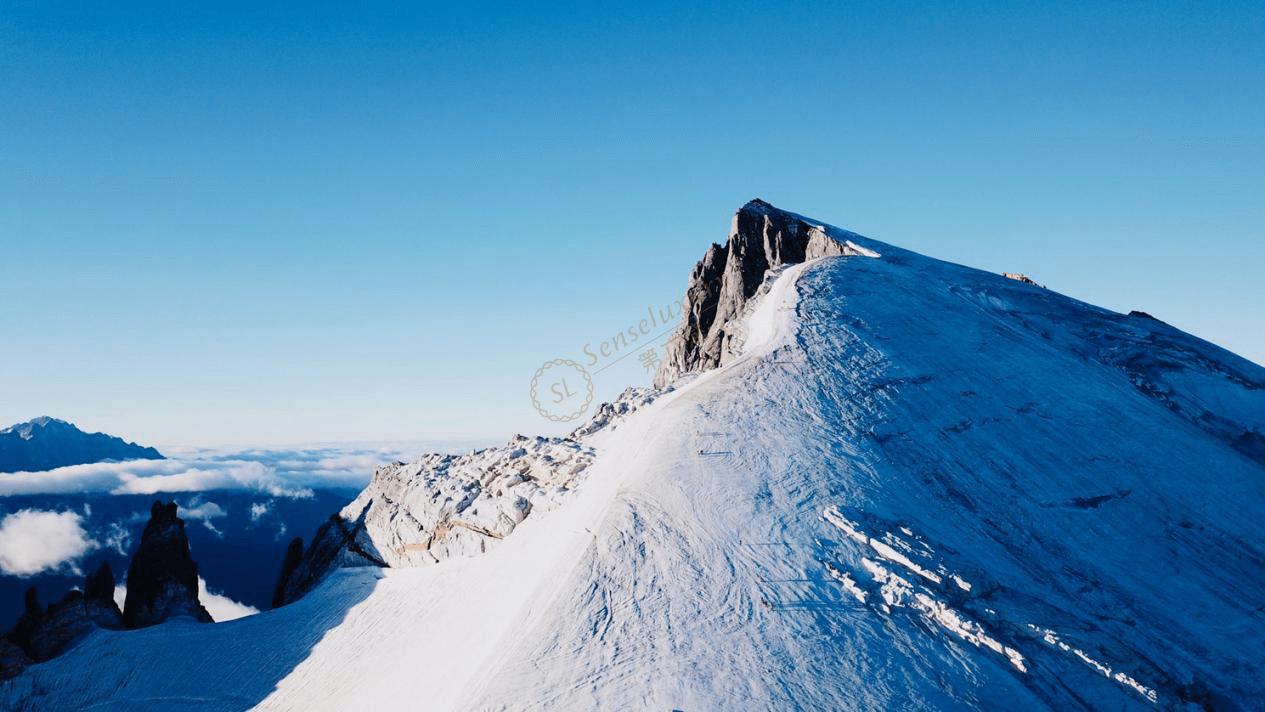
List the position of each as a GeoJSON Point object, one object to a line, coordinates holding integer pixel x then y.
{"type": "Point", "coordinates": [916, 485]}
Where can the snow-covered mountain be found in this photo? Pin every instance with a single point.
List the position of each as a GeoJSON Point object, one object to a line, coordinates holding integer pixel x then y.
{"type": "Point", "coordinates": [45, 443]}
{"type": "Point", "coordinates": [888, 482]}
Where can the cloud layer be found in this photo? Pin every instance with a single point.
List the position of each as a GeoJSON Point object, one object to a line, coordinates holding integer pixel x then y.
{"type": "Point", "coordinates": [277, 473]}
{"type": "Point", "coordinates": [32, 541]}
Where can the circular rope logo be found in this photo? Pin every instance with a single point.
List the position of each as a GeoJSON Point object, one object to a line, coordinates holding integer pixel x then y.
{"type": "Point", "coordinates": [561, 390]}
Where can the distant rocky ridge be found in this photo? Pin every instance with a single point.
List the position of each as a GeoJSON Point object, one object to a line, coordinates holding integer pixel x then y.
{"type": "Point", "coordinates": [728, 278]}
{"type": "Point", "coordinates": [46, 443]}
{"type": "Point", "coordinates": [441, 506]}
{"type": "Point", "coordinates": [162, 583]}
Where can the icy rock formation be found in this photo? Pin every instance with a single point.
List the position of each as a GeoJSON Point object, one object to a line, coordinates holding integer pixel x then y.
{"type": "Point", "coordinates": [762, 239]}
{"type": "Point", "coordinates": [444, 505]}
{"type": "Point", "coordinates": [609, 414]}
{"type": "Point", "coordinates": [447, 505]}
{"type": "Point", "coordinates": [162, 581]}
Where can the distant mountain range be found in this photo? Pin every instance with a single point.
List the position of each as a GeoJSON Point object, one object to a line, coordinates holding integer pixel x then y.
{"type": "Point", "coordinates": [45, 443]}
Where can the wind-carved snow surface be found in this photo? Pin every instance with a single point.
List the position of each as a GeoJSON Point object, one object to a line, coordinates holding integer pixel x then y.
{"type": "Point", "coordinates": [920, 486]}
{"type": "Point", "coordinates": [1052, 638]}
{"type": "Point", "coordinates": [899, 592]}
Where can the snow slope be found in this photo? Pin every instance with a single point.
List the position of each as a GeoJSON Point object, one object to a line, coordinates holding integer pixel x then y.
{"type": "Point", "coordinates": [920, 486]}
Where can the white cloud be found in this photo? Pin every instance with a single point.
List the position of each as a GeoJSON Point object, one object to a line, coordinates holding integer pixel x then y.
{"type": "Point", "coordinates": [118, 537]}
{"type": "Point", "coordinates": [273, 473]}
{"type": "Point", "coordinates": [221, 607]}
{"type": "Point", "coordinates": [33, 540]}
{"type": "Point", "coordinates": [223, 475]}
{"type": "Point", "coordinates": [206, 511]}
{"type": "Point", "coordinates": [197, 510]}
{"type": "Point", "coordinates": [258, 510]}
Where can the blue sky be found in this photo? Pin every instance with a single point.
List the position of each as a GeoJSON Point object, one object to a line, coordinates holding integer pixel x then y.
{"type": "Point", "coordinates": [253, 224]}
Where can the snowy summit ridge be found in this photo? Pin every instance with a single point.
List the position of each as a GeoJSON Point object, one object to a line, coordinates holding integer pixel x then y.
{"type": "Point", "coordinates": [879, 480]}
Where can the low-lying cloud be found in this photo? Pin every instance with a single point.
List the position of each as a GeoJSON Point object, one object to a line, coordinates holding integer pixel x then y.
{"type": "Point", "coordinates": [221, 607]}
{"type": "Point", "coordinates": [32, 541]}
{"type": "Point", "coordinates": [275, 473]}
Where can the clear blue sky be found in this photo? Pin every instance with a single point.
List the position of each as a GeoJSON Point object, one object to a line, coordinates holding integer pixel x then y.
{"type": "Point", "coordinates": [258, 224]}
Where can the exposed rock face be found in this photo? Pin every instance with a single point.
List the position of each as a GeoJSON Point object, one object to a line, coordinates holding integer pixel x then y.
{"type": "Point", "coordinates": [441, 506]}
{"type": "Point", "coordinates": [42, 634]}
{"type": "Point", "coordinates": [289, 565]}
{"type": "Point", "coordinates": [45, 443]}
{"type": "Point", "coordinates": [162, 581]}
{"type": "Point", "coordinates": [337, 544]}
{"type": "Point", "coordinates": [727, 279]}
{"type": "Point", "coordinates": [608, 415]}
{"type": "Point", "coordinates": [66, 621]}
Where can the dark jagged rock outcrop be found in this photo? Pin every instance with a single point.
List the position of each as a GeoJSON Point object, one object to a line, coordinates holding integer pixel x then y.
{"type": "Point", "coordinates": [338, 543]}
{"type": "Point", "coordinates": [100, 583]}
{"type": "Point", "coordinates": [45, 443]}
{"type": "Point", "coordinates": [162, 581]}
{"type": "Point", "coordinates": [42, 634]}
{"type": "Point", "coordinates": [762, 239]}
{"type": "Point", "coordinates": [293, 557]}
{"type": "Point", "coordinates": [13, 660]}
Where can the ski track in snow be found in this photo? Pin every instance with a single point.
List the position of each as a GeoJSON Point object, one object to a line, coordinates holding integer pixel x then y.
{"type": "Point", "coordinates": [832, 521]}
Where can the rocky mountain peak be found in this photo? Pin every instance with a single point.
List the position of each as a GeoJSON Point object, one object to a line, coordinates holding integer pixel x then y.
{"type": "Point", "coordinates": [162, 581]}
{"type": "Point", "coordinates": [46, 443]}
{"type": "Point", "coordinates": [762, 239]}
{"type": "Point", "coordinates": [28, 429]}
